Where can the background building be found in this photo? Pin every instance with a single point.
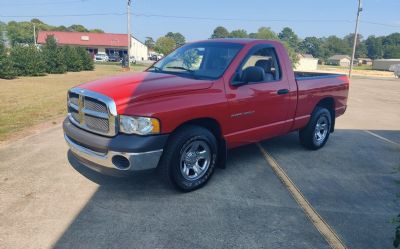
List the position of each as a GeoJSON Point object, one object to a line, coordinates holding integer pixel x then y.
{"type": "Point", "coordinates": [98, 42]}
{"type": "Point", "coordinates": [306, 63]}
{"type": "Point", "coordinates": [339, 60]}
{"type": "Point", "coordinates": [384, 64]}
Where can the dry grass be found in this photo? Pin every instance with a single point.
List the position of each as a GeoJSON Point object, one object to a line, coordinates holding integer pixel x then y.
{"type": "Point", "coordinates": [27, 101]}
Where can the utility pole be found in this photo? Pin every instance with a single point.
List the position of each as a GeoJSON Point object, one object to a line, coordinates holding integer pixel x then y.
{"type": "Point", "coordinates": [129, 31]}
{"type": "Point", "coordinates": [355, 37]}
{"type": "Point", "coordinates": [34, 34]}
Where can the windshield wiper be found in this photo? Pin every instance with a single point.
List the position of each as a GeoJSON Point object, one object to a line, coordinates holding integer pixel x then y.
{"type": "Point", "coordinates": [157, 69]}
{"type": "Point", "coordinates": [182, 68]}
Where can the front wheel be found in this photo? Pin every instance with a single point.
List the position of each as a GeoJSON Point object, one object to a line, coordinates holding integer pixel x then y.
{"type": "Point", "coordinates": [189, 158]}
{"type": "Point", "coordinates": [315, 135]}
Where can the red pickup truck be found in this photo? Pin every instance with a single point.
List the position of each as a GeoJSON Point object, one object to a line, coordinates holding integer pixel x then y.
{"type": "Point", "coordinates": [183, 113]}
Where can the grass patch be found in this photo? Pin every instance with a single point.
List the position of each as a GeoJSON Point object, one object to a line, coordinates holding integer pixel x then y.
{"type": "Point", "coordinates": [27, 101]}
{"type": "Point", "coordinates": [362, 67]}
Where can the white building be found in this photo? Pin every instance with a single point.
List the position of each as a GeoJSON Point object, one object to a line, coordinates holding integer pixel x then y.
{"type": "Point", "coordinates": [306, 63]}
{"type": "Point", "coordinates": [384, 64]}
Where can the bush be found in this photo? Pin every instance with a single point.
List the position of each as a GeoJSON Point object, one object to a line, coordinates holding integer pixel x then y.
{"type": "Point", "coordinates": [6, 65]}
{"type": "Point", "coordinates": [87, 60]}
{"type": "Point", "coordinates": [53, 56]}
{"type": "Point", "coordinates": [28, 61]}
{"type": "Point", "coordinates": [72, 59]}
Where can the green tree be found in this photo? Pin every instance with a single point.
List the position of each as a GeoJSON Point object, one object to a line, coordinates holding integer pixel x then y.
{"type": "Point", "coordinates": [96, 31]}
{"type": "Point", "coordinates": [77, 28]}
{"type": "Point", "coordinates": [361, 48]}
{"type": "Point", "coordinates": [220, 32]}
{"type": "Point", "coordinates": [239, 33]}
{"type": "Point", "coordinates": [60, 28]}
{"type": "Point", "coordinates": [53, 56]}
{"type": "Point", "coordinates": [150, 43]}
{"type": "Point", "coordinates": [314, 46]}
{"type": "Point", "coordinates": [335, 45]}
{"type": "Point", "coordinates": [287, 35]}
{"type": "Point", "coordinates": [20, 32]}
{"type": "Point", "coordinates": [293, 55]}
{"type": "Point", "coordinates": [86, 59]}
{"type": "Point", "coordinates": [3, 27]}
{"type": "Point", "coordinates": [72, 59]}
{"type": "Point", "coordinates": [391, 46]}
{"type": "Point", "coordinates": [165, 45]}
{"type": "Point", "coordinates": [265, 33]}
{"type": "Point", "coordinates": [28, 60]}
{"type": "Point", "coordinates": [177, 37]}
{"type": "Point", "coordinates": [7, 70]}
{"type": "Point", "coordinates": [374, 47]}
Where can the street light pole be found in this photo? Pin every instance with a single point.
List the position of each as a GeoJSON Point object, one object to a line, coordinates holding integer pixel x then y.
{"type": "Point", "coordinates": [355, 37]}
{"type": "Point", "coordinates": [34, 34]}
{"type": "Point", "coordinates": [129, 31]}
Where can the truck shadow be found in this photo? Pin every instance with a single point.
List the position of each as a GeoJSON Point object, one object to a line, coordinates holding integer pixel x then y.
{"type": "Point", "coordinates": [140, 211]}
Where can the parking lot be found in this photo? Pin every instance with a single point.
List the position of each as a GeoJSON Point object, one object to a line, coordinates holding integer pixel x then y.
{"type": "Point", "coordinates": [50, 200]}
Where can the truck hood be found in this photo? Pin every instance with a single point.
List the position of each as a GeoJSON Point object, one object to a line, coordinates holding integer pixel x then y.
{"type": "Point", "coordinates": [130, 88]}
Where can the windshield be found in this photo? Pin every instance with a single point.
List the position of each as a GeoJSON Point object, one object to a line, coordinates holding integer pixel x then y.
{"type": "Point", "coordinates": [198, 60]}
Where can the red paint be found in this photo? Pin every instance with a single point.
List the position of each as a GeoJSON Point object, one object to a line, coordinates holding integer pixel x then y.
{"type": "Point", "coordinates": [175, 100]}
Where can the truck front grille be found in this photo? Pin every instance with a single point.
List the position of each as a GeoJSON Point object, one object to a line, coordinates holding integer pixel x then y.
{"type": "Point", "coordinates": [92, 111]}
{"type": "Point", "coordinates": [97, 124]}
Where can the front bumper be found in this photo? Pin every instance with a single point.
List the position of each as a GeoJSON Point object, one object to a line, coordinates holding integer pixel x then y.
{"type": "Point", "coordinates": [122, 152]}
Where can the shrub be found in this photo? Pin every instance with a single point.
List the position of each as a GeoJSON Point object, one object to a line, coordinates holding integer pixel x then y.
{"type": "Point", "coordinates": [72, 59]}
{"type": "Point", "coordinates": [53, 56]}
{"type": "Point", "coordinates": [28, 61]}
{"type": "Point", "coordinates": [87, 60]}
{"type": "Point", "coordinates": [6, 65]}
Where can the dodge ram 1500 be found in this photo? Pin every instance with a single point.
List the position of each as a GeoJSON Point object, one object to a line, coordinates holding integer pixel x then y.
{"type": "Point", "coordinates": [184, 112]}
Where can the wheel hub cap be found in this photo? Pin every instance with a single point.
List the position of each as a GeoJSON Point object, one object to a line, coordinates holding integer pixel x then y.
{"type": "Point", "coordinates": [195, 160]}
{"type": "Point", "coordinates": [321, 129]}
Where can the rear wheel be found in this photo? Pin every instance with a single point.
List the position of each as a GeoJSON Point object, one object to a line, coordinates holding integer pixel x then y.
{"type": "Point", "coordinates": [190, 158]}
{"type": "Point", "coordinates": [315, 135]}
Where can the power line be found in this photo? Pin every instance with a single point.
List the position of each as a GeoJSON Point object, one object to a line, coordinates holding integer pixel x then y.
{"type": "Point", "coordinates": [201, 18]}
{"type": "Point", "coordinates": [42, 3]}
{"type": "Point", "coordinates": [65, 15]}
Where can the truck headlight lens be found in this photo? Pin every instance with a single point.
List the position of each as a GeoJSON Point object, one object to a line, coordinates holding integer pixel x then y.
{"type": "Point", "coordinates": [138, 125]}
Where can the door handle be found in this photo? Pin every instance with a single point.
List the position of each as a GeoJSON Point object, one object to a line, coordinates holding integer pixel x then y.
{"type": "Point", "coordinates": [283, 91]}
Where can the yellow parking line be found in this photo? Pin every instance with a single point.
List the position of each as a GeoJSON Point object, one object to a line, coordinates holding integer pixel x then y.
{"type": "Point", "coordinates": [320, 224]}
{"type": "Point", "coordinates": [382, 138]}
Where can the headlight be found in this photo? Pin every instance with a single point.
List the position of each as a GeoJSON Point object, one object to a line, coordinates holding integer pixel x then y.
{"type": "Point", "coordinates": [138, 125]}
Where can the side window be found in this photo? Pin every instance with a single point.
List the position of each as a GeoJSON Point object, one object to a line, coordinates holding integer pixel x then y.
{"type": "Point", "coordinates": [266, 59]}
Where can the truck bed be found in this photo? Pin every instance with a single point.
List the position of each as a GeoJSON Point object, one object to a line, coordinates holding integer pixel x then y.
{"type": "Point", "coordinates": [314, 75]}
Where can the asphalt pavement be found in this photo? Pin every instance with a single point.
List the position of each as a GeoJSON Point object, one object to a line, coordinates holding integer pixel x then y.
{"type": "Point", "coordinates": [50, 200]}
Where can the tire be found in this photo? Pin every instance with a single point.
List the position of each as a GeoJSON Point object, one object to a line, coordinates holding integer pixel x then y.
{"type": "Point", "coordinates": [315, 135]}
{"type": "Point", "coordinates": [189, 159]}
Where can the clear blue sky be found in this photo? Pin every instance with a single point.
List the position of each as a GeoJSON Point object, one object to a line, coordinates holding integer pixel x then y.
{"type": "Point", "coordinates": [305, 17]}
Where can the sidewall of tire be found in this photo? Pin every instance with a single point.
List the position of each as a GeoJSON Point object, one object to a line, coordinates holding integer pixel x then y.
{"type": "Point", "coordinates": [178, 142]}
{"type": "Point", "coordinates": [307, 134]}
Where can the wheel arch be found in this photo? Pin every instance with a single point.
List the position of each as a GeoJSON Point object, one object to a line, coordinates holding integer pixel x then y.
{"type": "Point", "coordinates": [329, 104]}
{"type": "Point", "coordinates": [215, 128]}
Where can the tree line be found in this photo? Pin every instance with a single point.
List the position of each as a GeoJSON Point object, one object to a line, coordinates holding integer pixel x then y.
{"type": "Point", "coordinates": [22, 32]}
{"type": "Point", "coordinates": [374, 47]}
{"type": "Point", "coordinates": [29, 60]}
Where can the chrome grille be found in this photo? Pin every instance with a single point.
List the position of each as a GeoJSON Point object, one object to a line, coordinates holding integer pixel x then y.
{"type": "Point", "coordinates": [75, 115]}
{"type": "Point", "coordinates": [73, 98]}
{"type": "Point", "coordinates": [96, 124]}
{"type": "Point", "coordinates": [92, 111]}
{"type": "Point", "coordinates": [95, 105]}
